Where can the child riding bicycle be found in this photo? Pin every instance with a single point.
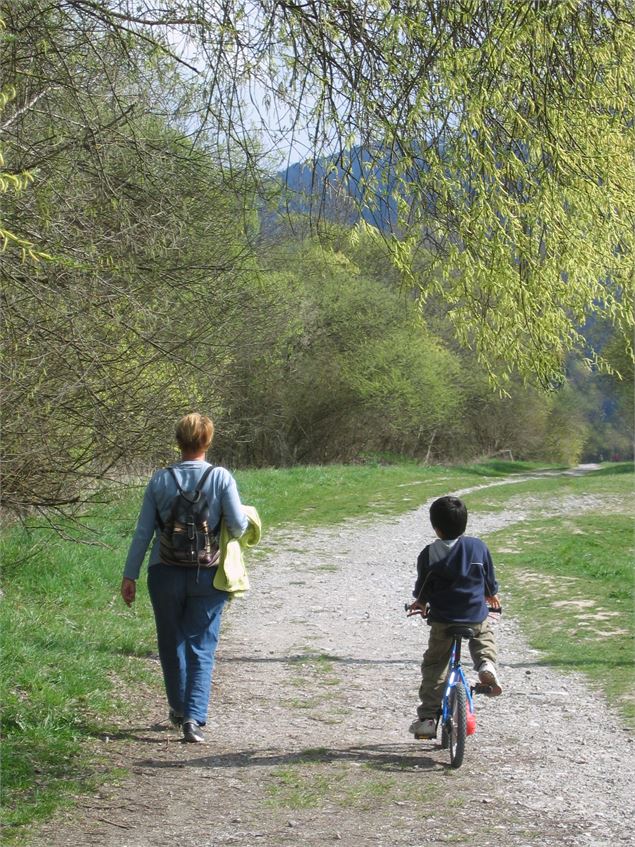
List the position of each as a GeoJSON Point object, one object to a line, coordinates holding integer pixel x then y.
{"type": "Point", "coordinates": [455, 584]}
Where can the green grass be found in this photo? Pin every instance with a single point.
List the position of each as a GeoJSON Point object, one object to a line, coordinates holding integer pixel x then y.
{"type": "Point", "coordinates": [314, 496]}
{"type": "Point", "coordinates": [611, 480]}
{"type": "Point", "coordinates": [316, 782]}
{"type": "Point", "coordinates": [570, 581]}
{"type": "Point", "coordinates": [292, 788]}
{"type": "Point", "coordinates": [314, 673]}
{"type": "Point", "coordinates": [66, 635]}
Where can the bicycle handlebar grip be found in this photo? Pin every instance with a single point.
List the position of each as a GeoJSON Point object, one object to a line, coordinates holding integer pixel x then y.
{"type": "Point", "coordinates": [498, 611]}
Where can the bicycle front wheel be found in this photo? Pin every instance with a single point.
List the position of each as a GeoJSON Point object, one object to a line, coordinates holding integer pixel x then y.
{"type": "Point", "coordinates": [457, 725]}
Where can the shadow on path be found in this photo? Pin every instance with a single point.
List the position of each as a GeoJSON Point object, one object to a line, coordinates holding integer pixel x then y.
{"type": "Point", "coordinates": [305, 658]}
{"type": "Point", "coordinates": [377, 757]}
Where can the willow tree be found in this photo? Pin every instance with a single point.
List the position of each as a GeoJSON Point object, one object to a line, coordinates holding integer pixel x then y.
{"type": "Point", "coordinates": [502, 128]}
{"type": "Point", "coordinates": [504, 131]}
{"type": "Point", "coordinates": [500, 134]}
{"type": "Point", "coordinates": [124, 269]}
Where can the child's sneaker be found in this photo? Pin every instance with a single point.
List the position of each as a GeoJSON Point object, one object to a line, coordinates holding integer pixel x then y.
{"type": "Point", "coordinates": [426, 728]}
{"type": "Point", "coordinates": [487, 676]}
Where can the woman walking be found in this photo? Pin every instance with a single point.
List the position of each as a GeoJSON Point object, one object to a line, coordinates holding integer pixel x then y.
{"type": "Point", "coordinates": [187, 607]}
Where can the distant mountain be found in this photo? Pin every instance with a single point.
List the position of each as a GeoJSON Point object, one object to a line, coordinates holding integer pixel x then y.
{"type": "Point", "coordinates": [338, 187]}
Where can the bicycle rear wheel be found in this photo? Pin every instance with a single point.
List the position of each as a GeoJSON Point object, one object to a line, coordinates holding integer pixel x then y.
{"type": "Point", "coordinates": [456, 726]}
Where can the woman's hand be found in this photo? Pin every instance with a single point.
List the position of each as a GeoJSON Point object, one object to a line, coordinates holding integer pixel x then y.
{"type": "Point", "coordinates": [493, 602]}
{"type": "Point", "coordinates": [128, 590]}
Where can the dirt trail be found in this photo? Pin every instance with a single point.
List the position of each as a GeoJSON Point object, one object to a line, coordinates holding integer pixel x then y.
{"type": "Point", "coordinates": [315, 687]}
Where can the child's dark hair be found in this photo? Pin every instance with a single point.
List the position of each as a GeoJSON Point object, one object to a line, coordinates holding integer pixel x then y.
{"type": "Point", "coordinates": [448, 515]}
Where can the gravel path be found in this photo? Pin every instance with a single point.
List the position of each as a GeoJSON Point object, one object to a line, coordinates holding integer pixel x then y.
{"type": "Point", "coordinates": [315, 687]}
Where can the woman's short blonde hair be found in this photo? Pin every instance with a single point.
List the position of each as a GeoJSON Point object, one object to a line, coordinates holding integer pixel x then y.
{"type": "Point", "coordinates": [194, 432]}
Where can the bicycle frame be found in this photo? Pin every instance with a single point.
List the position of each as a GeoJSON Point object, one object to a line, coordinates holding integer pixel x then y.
{"type": "Point", "coordinates": [455, 674]}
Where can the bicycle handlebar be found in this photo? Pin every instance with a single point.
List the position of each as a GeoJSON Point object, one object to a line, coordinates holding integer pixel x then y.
{"type": "Point", "coordinates": [490, 609]}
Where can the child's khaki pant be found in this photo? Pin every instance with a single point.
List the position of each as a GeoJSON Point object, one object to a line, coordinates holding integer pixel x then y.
{"type": "Point", "coordinates": [434, 667]}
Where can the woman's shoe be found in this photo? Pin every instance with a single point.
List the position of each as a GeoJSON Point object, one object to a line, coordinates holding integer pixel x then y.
{"type": "Point", "coordinates": [174, 718]}
{"type": "Point", "coordinates": [192, 732]}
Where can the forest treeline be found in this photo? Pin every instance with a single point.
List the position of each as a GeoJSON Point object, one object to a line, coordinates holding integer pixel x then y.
{"type": "Point", "coordinates": [143, 277]}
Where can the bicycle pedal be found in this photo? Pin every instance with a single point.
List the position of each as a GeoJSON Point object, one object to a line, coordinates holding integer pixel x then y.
{"type": "Point", "coordinates": [481, 688]}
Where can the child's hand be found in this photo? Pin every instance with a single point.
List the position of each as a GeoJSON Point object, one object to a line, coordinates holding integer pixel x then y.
{"type": "Point", "coordinates": [418, 608]}
{"type": "Point", "coordinates": [493, 602]}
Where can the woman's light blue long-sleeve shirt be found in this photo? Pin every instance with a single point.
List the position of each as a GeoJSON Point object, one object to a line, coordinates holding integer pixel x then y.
{"type": "Point", "coordinates": [219, 489]}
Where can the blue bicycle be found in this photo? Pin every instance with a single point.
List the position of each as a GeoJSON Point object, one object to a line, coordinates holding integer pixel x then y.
{"type": "Point", "coordinates": [457, 707]}
{"type": "Point", "coordinates": [457, 702]}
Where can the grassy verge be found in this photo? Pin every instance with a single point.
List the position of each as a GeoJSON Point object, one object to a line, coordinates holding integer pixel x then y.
{"type": "Point", "coordinates": [614, 481]}
{"type": "Point", "coordinates": [570, 581]}
{"type": "Point", "coordinates": [65, 637]}
{"type": "Point", "coordinates": [312, 496]}
{"type": "Point", "coordinates": [71, 650]}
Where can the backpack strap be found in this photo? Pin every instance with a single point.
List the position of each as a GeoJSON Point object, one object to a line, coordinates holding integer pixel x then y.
{"type": "Point", "coordinates": [203, 478]}
{"type": "Point", "coordinates": [197, 490]}
{"type": "Point", "coordinates": [175, 478]}
{"type": "Point", "coordinates": [158, 518]}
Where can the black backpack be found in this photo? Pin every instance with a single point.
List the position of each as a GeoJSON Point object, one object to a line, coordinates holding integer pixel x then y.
{"type": "Point", "coordinates": [186, 538]}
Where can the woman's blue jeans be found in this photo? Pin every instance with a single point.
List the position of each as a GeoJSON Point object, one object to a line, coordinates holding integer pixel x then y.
{"type": "Point", "coordinates": [187, 612]}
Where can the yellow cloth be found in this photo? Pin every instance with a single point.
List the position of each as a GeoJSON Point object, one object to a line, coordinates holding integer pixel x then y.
{"type": "Point", "coordinates": [231, 575]}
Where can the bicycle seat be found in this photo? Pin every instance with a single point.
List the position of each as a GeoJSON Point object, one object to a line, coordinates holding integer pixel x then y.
{"type": "Point", "coordinates": [460, 631]}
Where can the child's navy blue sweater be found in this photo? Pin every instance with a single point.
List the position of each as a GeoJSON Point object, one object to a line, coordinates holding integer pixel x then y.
{"type": "Point", "coordinates": [454, 577]}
